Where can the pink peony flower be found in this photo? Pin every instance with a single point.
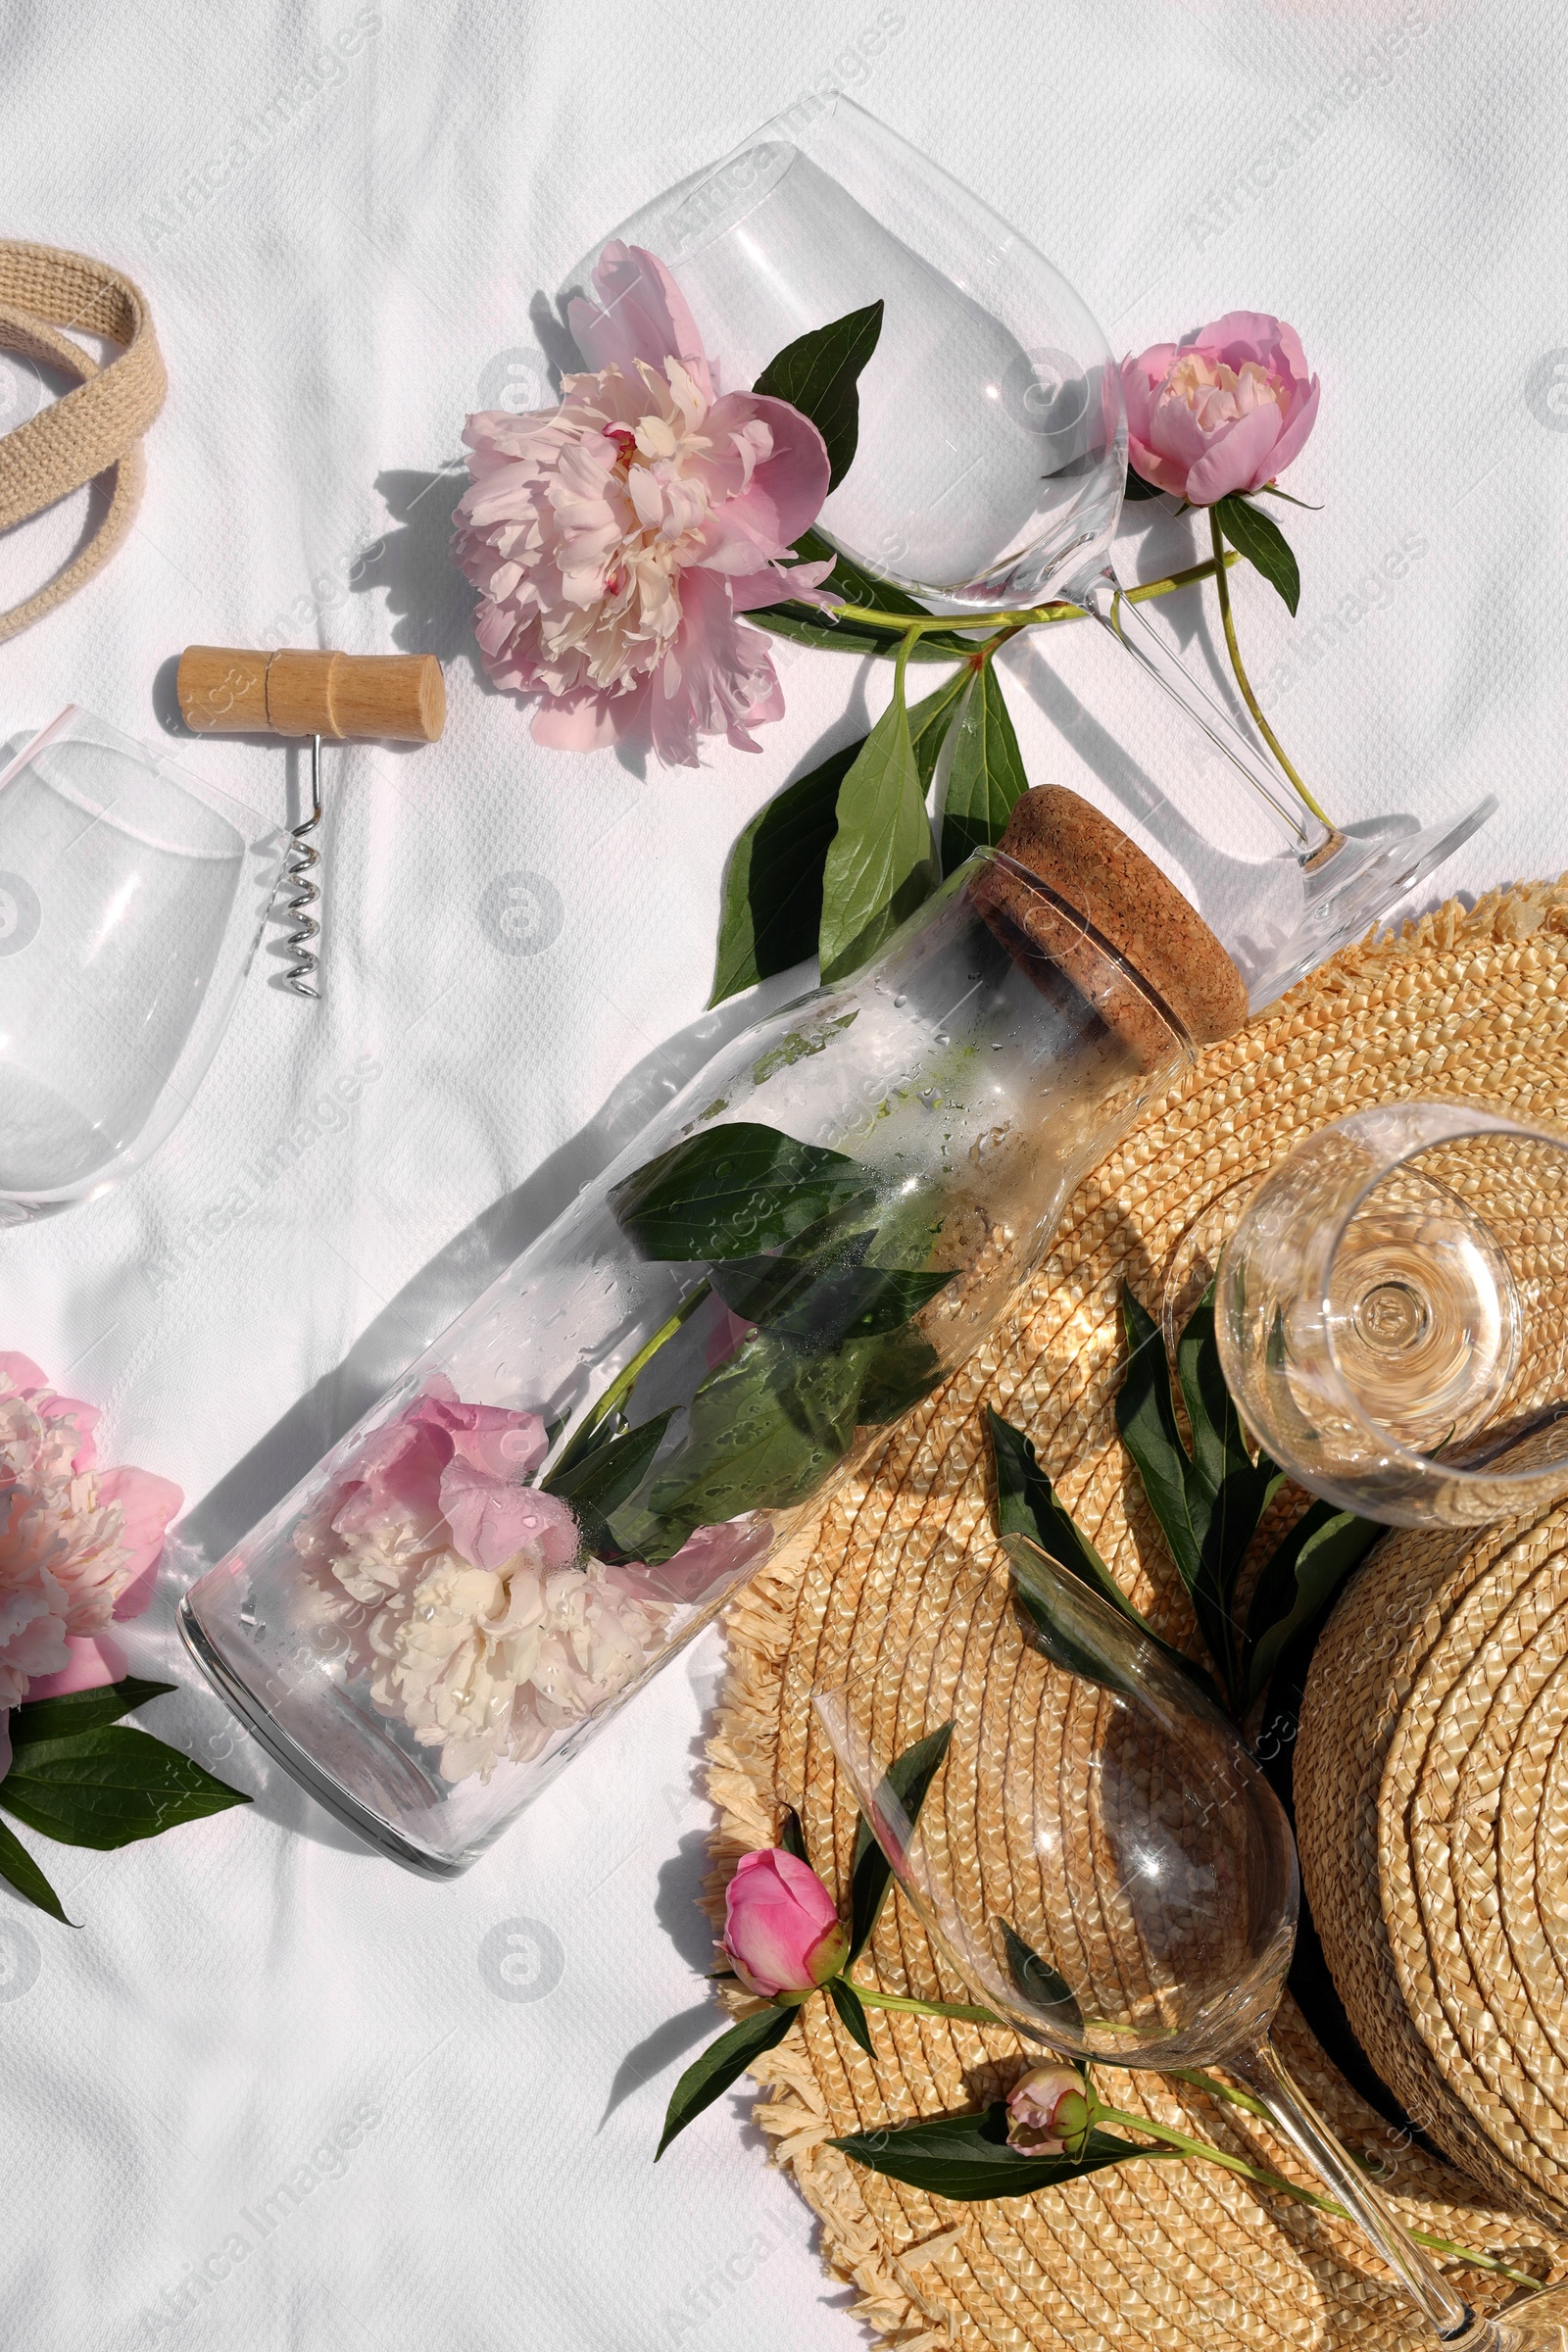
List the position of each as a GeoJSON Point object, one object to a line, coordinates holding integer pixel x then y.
{"type": "Point", "coordinates": [711, 1558]}
{"type": "Point", "coordinates": [78, 1545]}
{"type": "Point", "coordinates": [615, 538]}
{"type": "Point", "coordinates": [781, 1931]}
{"type": "Point", "coordinates": [440, 1446]}
{"type": "Point", "coordinates": [1226, 411]}
{"type": "Point", "coordinates": [1048, 2114]}
{"type": "Point", "coordinates": [491, 1520]}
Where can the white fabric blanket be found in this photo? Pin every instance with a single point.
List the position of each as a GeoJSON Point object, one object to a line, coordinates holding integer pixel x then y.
{"type": "Point", "coordinates": [276, 2093]}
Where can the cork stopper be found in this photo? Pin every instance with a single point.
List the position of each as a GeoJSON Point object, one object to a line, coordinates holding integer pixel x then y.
{"type": "Point", "coordinates": [1090, 862]}
{"type": "Point", "coordinates": [392, 698]}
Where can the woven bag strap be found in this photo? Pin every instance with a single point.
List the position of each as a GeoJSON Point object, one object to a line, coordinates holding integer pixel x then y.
{"type": "Point", "coordinates": [95, 427]}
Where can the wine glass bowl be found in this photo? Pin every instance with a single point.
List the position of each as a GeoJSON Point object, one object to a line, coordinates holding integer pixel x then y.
{"type": "Point", "coordinates": [132, 897]}
{"type": "Point", "coordinates": [992, 439]}
{"type": "Point", "coordinates": [1392, 1314]}
{"type": "Point", "coordinates": [1098, 1858]}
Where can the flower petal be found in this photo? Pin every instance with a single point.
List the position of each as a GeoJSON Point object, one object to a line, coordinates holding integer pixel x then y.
{"type": "Point", "coordinates": [1293, 440]}
{"type": "Point", "coordinates": [147, 1504]}
{"type": "Point", "coordinates": [1237, 459]}
{"type": "Point", "coordinates": [96, 1659]}
{"type": "Point", "coordinates": [644, 317]}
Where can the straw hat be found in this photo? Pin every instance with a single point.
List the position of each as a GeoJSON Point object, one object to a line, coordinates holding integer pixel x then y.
{"type": "Point", "coordinates": [1173, 2254]}
{"type": "Point", "coordinates": [1432, 1810]}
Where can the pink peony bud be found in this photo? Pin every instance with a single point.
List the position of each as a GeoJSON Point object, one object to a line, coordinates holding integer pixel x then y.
{"type": "Point", "coordinates": [1048, 2114]}
{"type": "Point", "coordinates": [1226, 411]}
{"type": "Point", "coordinates": [781, 1931]}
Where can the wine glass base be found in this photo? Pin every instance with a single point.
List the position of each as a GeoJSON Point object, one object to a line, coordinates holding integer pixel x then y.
{"type": "Point", "coordinates": [1529, 2324]}
{"type": "Point", "coordinates": [1377, 865]}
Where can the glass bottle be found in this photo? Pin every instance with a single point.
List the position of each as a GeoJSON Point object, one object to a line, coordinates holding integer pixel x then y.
{"type": "Point", "coordinates": [567, 1484]}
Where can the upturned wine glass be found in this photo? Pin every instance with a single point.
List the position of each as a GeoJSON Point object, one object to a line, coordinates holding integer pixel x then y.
{"type": "Point", "coordinates": [1392, 1314]}
{"type": "Point", "coordinates": [132, 896]}
{"type": "Point", "coordinates": [1104, 1865]}
{"type": "Point", "coordinates": [993, 451]}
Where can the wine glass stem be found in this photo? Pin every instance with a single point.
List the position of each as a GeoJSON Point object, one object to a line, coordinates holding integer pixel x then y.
{"type": "Point", "coordinates": [1103, 595]}
{"type": "Point", "coordinates": [1449, 2316]}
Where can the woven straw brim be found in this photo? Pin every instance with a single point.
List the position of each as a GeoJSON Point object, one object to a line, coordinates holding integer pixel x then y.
{"type": "Point", "coordinates": [1171, 2254]}
{"type": "Point", "coordinates": [1433, 1818]}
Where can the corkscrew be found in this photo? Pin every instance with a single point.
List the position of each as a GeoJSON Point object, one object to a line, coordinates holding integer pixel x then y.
{"type": "Point", "coordinates": [394, 697]}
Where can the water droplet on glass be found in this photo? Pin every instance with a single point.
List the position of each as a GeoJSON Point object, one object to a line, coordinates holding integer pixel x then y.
{"type": "Point", "coordinates": [899, 1003]}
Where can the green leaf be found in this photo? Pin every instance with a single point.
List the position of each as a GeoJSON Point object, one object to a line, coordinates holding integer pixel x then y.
{"type": "Point", "coordinates": [1027, 1505]}
{"type": "Point", "coordinates": [1238, 1489]}
{"type": "Point", "coordinates": [852, 2012]}
{"type": "Point", "coordinates": [1219, 1447]}
{"type": "Point", "coordinates": [881, 866]}
{"type": "Point", "coordinates": [1138, 488]}
{"type": "Point", "coordinates": [109, 1786]}
{"type": "Point", "coordinates": [986, 779]}
{"type": "Point", "coordinates": [1259, 537]}
{"type": "Point", "coordinates": [18, 1869]}
{"type": "Point", "coordinates": [932, 718]}
{"type": "Point", "coordinates": [722, 2063]}
{"type": "Point", "coordinates": [857, 586]}
{"type": "Point", "coordinates": [1209, 1503]}
{"type": "Point", "coordinates": [819, 1305]}
{"type": "Point", "coordinates": [731, 1191]}
{"type": "Point", "coordinates": [761, 1434]}
{"type": "Point", "coordinates": [597, 1483]}
{"type": "Point", "coordinates": [905, 1783]}
{"type": "Point", "coordinates": [899, 1371]}
{"type": "Point", "coordinates": [1035, 1980]}
{"type": "Point", "coordinates": [1145, 1415]}
{"type": "Point", "coordinates": [1300, 1579]}
{"type": "Point", "coordinates": [774, 884]}
{"type": "Point", "coordinates": [966, 2157]}
{"type": "Point", "coordinates": [819, 374]}
{"type": "Point", "coordinates": [792, 1838]}
{"type": "Point", "coordinates": [1057, 1633]}
{"type": "Point", "coordinates": [80, 1710]}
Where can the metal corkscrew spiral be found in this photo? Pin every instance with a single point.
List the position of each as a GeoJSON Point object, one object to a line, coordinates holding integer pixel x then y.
{"type": "Point", "coordinates": [391, 697]}
{"type": "Point", "coordinates": [297, 880]}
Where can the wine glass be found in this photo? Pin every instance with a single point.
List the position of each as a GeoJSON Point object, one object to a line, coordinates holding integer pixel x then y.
{"type": "Point", "coordinates": [1392, 1313]}
{"type": "Point", "coordinates": [993, 451]}
{"type": "Point", "coordinates": [131, 898]}
{"type": "Point", "coordinates": [1104, 1865]}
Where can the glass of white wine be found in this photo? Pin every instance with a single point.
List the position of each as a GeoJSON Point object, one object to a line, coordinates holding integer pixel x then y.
{"type": "Point", "coordinates": [1392, 1314]}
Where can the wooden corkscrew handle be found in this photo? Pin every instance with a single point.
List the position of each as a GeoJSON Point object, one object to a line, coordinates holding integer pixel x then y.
{"type": "Point", "coordinates": [390, 697]}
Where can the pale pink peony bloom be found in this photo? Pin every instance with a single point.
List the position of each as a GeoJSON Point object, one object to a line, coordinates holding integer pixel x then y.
{"type": "Point", "coordinates": [1226, 411]}
{"type": "Point", "coordinates": [486, 1664]}
{"type": "Point", "coordinates": [1048, 2114]}
{"type": "Point", "coordinates": [484, 1635]}
{"type": "Point", "coordinates": [781, 1931]}
{"type": "Point", "coordinates": [615, 538]}
{"type": "Point", "coordinates": [78, 1545]}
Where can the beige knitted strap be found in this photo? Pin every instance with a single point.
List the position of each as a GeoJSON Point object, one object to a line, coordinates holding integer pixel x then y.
{"type": "Point", "coordinates": [95, 427]}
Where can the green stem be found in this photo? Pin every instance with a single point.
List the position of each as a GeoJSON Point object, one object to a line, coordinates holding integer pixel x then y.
{"type": "Point", "coordinates": [1264, 2178]}
{"type": "Point", "coordinates": [1245, 683]}
{"type": "Point", "coordinates": [626, 1380]}
{"type": "Point", "coordinates": [1217, 2090]}
{"type": "Point", "coordinates": [902, 664]}
{"type": "Point", "coordinates": [899, 2000]}
{"type": "Point", "coordinates": [1035, 615]}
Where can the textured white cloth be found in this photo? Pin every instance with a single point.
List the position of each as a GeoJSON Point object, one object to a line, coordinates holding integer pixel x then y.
{"type": "Point", "coordinates": [340, 245]}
